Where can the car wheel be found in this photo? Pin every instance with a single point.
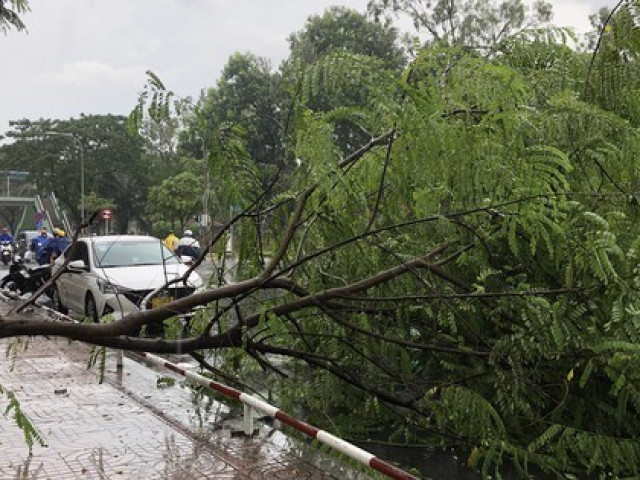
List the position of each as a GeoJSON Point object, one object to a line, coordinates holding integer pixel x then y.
{"type": "Point", "coordinates": [90, 308]}
{"type": "Point", "coordinates": [57, 301]}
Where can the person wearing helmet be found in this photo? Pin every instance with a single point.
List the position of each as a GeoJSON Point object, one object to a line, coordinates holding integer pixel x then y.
{"type": "Point", "coordinates": [171, 241]}
{"type": "Point", "coordinates": [188, 246]}
{"type": "Point", "coordinates": [37, 245]}
{"type": "Point", "coordinates": [54, 247]}
{"type": "Point", "coordinates": [6, 236]}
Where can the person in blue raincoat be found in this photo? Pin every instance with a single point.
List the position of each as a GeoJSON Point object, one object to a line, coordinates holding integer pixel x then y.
{"type": "Point", "coordinates": [37, 245]}
{"type": "Point", "coordinates": [54, 247]}
{"type": "Point", "coordinates": [6, 236]}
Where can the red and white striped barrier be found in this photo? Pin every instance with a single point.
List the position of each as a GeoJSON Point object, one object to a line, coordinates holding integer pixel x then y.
{"type": "Point", "coordinates": [252, 402]}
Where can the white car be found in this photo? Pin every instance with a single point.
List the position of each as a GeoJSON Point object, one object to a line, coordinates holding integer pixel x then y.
{"type": "Point", "coordinates": [116, 273]}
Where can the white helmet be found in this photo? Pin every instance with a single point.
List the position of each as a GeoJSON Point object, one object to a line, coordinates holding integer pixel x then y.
{"type": "Point", "coordinates": [188, 233]}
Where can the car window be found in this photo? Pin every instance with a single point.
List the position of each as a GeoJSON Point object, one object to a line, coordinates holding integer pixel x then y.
{"type": "Point", "coordinates": [132, 253]}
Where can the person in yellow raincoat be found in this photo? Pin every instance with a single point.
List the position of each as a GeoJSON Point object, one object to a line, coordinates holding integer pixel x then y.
{"type": "Point", "coordinates": [171, 241]}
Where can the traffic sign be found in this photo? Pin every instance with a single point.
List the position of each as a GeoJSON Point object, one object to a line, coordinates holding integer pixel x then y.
{"type": "Point", "coordinates": [106, 214]}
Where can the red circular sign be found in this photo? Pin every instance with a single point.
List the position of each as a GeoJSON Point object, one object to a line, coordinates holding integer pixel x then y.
{"type": "Point", "coordinates": [106, 214]}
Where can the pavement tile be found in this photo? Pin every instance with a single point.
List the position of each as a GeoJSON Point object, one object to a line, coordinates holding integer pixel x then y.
{"type": "Point", "coordinates": [128, 428]}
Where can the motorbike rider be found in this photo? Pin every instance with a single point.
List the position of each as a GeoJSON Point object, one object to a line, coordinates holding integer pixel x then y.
{"type": "Point", "coordinates": [171, 241]}
{"type": "Point", "coordinates": [6, 236]}
{"type": "Point", "coordinates": [54, 247]}
{"type": "Point", "coordinates": [188, 246]}
{"type": "Point", "coordinates": [37, 245]}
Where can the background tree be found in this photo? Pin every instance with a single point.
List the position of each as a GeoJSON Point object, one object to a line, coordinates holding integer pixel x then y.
{"type": "Point", "coordinates": [336, 64]}
{"type": "Point", "coordinates": [121, 172]}
{"type": "Point", "coordinates": [176, 199]}
{"type": "Point", "coordinates": [468, 23]}
{"type": "Point", "coordinates": [220, 144]}
{"type": "Point", "coordinates": [617, 44]}
{"type": "Point", "coordinates": [54, 151]}
{"type": "Point", "coordinates": [94, 203]}
{"type": "Point", "coordinates": [247, 95]}
{"type": "Point", "coordinates": [341, 29]}
{"type": "Point", "coordinates": [159, 126]}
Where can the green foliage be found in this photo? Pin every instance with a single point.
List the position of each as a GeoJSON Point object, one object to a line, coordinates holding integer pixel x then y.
{"type": "Point", "coordinates": [176, 199]}
{"type": "Point", "coordinates": [235, 175]}
{"type": "Point", "coordinates": [165, 382]}
{"type": "Point", "coordinates": [244, 107]}
{"type": "Point", "coordinates": [340, 29]}
{"type": "Point", "coordinates": [481, 24]}
{"type": "Point", "coordinates": [16, 345]}
{"type": "Point", "coordinates": [31, 434]}
{"type": "Point", "coordinates": [10, 13]}
{"type": "Point", "coordinates": [503, 159]}
{"type": "Point", "coordinates": [98, 358]}
{"type": "Point", "coordinates": [155, 101]}
{"type": "Point", "coordinates": [331, 69]}
{"type": "Point", "coordinates": [93, 202]}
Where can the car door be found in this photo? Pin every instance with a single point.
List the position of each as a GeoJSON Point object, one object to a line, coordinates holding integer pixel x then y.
{"type": "Point", "coordinates": [73, 283]}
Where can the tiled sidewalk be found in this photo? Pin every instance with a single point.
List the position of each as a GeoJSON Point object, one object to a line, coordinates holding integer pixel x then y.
{"type": "Point", "coordinates": [129, 428]}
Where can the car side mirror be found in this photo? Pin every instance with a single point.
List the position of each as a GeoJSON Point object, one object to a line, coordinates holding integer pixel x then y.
{"type": "Point", "coordinates": [77, 266]}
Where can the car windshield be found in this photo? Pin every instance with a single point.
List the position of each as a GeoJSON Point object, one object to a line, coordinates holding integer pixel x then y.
{"type": "Point", "coordinates": [133, 253]}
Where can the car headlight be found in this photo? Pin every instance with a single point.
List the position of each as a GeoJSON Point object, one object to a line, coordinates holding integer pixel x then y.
{"type": "Point", "coordinates": [108, 287]}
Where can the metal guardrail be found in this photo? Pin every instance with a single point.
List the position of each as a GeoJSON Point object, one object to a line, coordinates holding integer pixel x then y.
{"type": "Point", "coordinates": [56, 217]}
{"type": "Point", "coordinates": [250, 403]}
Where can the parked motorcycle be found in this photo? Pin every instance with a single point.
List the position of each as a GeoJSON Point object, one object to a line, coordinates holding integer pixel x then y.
{"type": "Point", "coordinates": [6, 252]}
{"type": "Point", "coordinates": [22, 279]}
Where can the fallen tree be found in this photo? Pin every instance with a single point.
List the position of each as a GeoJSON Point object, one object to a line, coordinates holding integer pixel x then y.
{"type": "Point", "coordinates": [467, 278]}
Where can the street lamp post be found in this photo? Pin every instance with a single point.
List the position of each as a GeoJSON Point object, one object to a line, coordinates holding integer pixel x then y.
{"type": "Point", "coordinates": [77, 142]}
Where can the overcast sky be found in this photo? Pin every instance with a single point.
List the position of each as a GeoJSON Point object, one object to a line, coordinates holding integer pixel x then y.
{"type": "Point", "coordinates": [90, 56]}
